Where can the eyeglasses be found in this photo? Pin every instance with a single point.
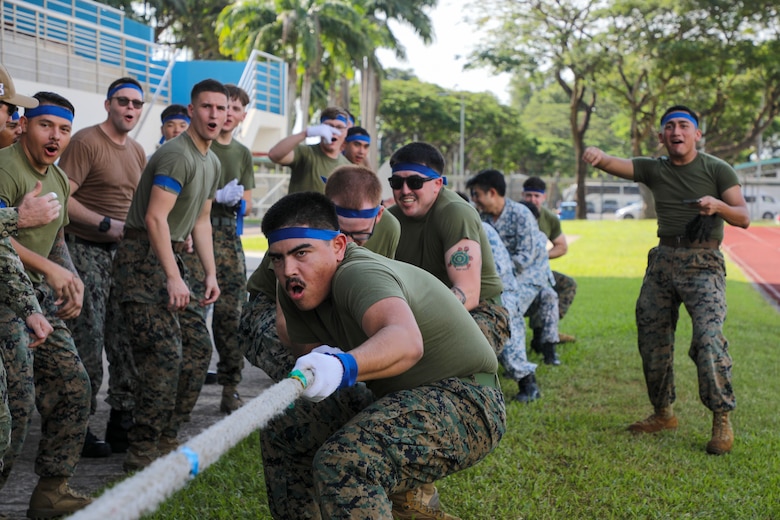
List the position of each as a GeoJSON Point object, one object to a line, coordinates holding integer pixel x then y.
{"type": "Point", "coordinates": [415, 182]}
{"type": "Point", "coordinates": [361, 236]}
{"type": "Point", "coordinates": [123, 102]}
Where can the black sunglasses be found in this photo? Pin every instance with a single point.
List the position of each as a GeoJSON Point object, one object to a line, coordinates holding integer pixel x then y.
{"type": "Point", "coordinates": [361, 236]}
{"type": "Point", "coordinates": [123, 102]}
{"type": "Point", "coordinates": [415, 182]}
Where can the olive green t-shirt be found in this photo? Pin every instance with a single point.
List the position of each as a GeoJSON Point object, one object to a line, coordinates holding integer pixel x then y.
{"type": "Point", "coordinates": [454, 346]}
{"type": "Point", "coordinates": [424, 241]}
{"type": "Point", "coordinates": [670, 184]}
{"type": "Point", "coordinates": [309, 166]}
{"type": "Point", "coordinates": [17, 178]}
{"type": "Point", "coordinates": [549, 223]}
{"type": "Point", "coordinates": [183, 167]}
{"type": "Point", "coordinates": [386, 235]}
{"type": "Point", "coordinates": [236, 161]}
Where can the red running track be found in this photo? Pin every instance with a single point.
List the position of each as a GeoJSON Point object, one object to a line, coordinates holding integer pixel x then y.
{"type": "Point", "coordinates": [757, 252]}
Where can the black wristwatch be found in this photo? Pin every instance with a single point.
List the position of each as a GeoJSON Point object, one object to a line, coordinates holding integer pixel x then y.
{"type": "Point", "coordinates": [104, 225]}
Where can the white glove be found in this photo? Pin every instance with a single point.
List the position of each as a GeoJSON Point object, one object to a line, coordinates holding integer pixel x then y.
{"type": "Point", "coordinates": [327, 349]}
{"type": "Point", "coordinates": [326, 132]}
{"type": "Point", "coordinates": [326, 373]}
{"type": "Point", "coordinates": [230, 194]}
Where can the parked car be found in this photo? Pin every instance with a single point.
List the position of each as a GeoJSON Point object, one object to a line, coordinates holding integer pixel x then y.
{"type": "Point", "coordinates": [762, 206]}
{"type": "Point", "coordinates": [631, 211]}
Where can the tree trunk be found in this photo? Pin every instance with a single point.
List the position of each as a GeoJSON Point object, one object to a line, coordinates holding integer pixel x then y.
{"type": "Point", "coordinates": [292, 90]}
{"type": "Point", "coordinates": [306, 85]}
{"type": "Point", "coordinates": [369, 104]}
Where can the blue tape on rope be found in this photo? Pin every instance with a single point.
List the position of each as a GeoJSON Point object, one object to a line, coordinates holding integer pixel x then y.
{"type": "Point", "coordinates": [193, 458]}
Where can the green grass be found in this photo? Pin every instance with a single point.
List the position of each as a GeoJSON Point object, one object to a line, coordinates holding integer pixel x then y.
{"type": "Point", "coordinates": [569, 456]}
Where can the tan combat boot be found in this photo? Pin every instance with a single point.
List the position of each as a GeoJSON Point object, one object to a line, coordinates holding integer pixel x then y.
{"type": "Point", "coordinates": [53, 497]}
{"type": "Point", "coordinates": [421, 503]}
{"type": "Point", "coordinates": [231, 401]}
{"type": "Point", "coordinates": [662, 419]}
{"type": "Point", "coordinates": [722, 434]}
{"type": "Point", "coordinates": [167, 444]}
{"type": "Point", "coordinates": [137, 459]}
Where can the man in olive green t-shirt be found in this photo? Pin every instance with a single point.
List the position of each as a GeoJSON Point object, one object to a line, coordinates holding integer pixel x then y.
{"type": "Point", "coordinates": [311, 165]}
{"type": "Point", "coordinates": [694, 194]}
{"type": "Point", "coordinates": [172, 348]}
{"type": "Point", "coordinates": [355, 316]}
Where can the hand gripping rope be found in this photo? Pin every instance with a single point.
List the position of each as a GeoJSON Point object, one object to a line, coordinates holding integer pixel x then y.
{"type": "Point", "coordinates": [143, 492]}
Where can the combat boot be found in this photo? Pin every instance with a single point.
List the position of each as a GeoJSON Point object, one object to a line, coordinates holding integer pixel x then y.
{"type": "Point", "coordinates": [722, 434]}
{"type": "Point", "coordinates": [550, 355]}
{"type": "Point", "coordinates": [662, 419]}
{"type": "Point", "coordinates": [53, 497]}
{"type": "Point", "coordinates": [528, 389]}
{"type": "Point", "coordinates": [94, 448]}
{"type": "Point", "coordinates": [137, 459]}
{"type": "Point", "coordinates": [167, 444]}
{"type": "Point", "coordinates": [231, 401]}
{"type": "Point", "coordinates": [536, 341]}
{"type": "Point", "coordinates": [421, 503]}
{"type": "Point", "coordinates": [119, 423]}
{"type": "Point", "coordinates": [566, 338]}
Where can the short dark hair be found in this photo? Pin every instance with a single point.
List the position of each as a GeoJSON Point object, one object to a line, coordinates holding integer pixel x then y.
{"type": "Point", "coordinates": [333, 113]}
{"type": "Point", "coordinates": [236, 92]}
{"type": "Point", "coordinates": [681, 108]}
{"type": "Point", "coordinates": [52, 98]}
{"type": "Point", "coordinates": [357, 130]}
{"type": "Point", "coordinates": [207, 85]}
{"type": "Point", "coordinates": [120, 81]}
{"type": "Point", "coordinates": [306, 208]}
{"type": "Point", "coordinates": [419, 153]}
{"type": "Point", "coordinates": [487, 179]}
{"type": "Point", "coordinates": [353, 184]}
{"type": "Point", "coordinates": [173, 110]}
{"type": "Point", "coordinates": [532, 207]}
{"type": "Point", "coordinates": [534, 184]}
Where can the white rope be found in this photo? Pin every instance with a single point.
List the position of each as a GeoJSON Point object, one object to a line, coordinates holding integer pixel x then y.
{"type": "Point", "coordinates": [147, 489]}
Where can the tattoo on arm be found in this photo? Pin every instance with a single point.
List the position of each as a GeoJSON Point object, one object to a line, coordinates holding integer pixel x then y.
{"type": "Point", "coordinates": [461, 259]}
{"type": "Point", "coordinates": [459, 294]}
{"type": "Point", "coordinates": [60, 255]}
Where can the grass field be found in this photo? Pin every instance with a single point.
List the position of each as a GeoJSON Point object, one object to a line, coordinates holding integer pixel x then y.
{"type": "Point", "coordinates": [569, 456]}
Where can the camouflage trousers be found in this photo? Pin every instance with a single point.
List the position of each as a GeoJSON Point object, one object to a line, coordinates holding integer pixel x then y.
{"type": "Point", "coordinates": [544, 315]}
{"type": "Point", "coordinates": [513, 357]}
{"type": "Point", "coordinates": [259, 340]}
{"type": "Point", "coordinates": [171, 350]}
{"type": "Point", "coordinates": [566, 289]}
{"type": "Point", "coordinates": [493, 321]}
{"type": "Point", "coordinates": [342, 457]}
{"type": "Point", "coordinates": [5, 416]}
{"type": "Point", "coordinates": [61, 393]}
{"type": "Point", "coordinates": [231, 277]}
{"type": "Point", "coordinates": [695, 278]}
{"type": "Point", "coordinates": [93, 263]}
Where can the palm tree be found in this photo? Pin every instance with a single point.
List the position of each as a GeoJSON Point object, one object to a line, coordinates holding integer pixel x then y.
{"type": "Point", "coordinates": [298, 31]}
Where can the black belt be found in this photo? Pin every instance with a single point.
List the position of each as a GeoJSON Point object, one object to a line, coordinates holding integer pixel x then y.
{"type": "Point", "coordinates": [681, 242]}
{"type": "Point", "coordinates": [223, 221]}
{"type": "Point", "coordinates": [483, 379]}
{"type": "Point", "coordinates": [107, 246]}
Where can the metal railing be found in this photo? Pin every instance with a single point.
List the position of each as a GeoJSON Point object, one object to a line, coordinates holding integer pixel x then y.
{"type": "Point", "coordinates": [80, 44]}
{"type": "Point", "coordinates": [264, 80]}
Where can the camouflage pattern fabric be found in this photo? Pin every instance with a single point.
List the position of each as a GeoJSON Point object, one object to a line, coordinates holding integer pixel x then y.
{"type": "Point", "coordinates": [18, 367]}
{"type": "Point", "coordinates": [259, 341]}
{"type": "Point", "coordinates": [566, 289]}
{"type": "Point", "coordinates": [122, 374]}
{"type": "Point", "coordinates": [543, 314]}
{"type": "Point", "coordinates": [93, 264]}
{"type": "Point", "coordinates": [62, 395]}
{"type": "Point", "coordinates": [231, 277]}
{"type": "Point", "coordinates": [493, 321]}
{"type": "Point", "coordinates": [342, 457]}
{"type": "Point", "coordinates": [695, 278]}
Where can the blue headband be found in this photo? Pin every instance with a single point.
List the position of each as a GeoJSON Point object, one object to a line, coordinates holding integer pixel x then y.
{"type": "Point", "coordinates": [15, 116]}
{"type": "Point", "coordinates": [358, 137]}
{"type": "Point", "coordinates": [534, 190]}
{"type": "Point", "coordinates": [339, 117]}
{"type": "Point", "coordinates": [183, 117]}
{"type": "Point", "coordinates": [124, 85]}
{"type": "Point", "coordinates": [301, 232]}
{"type": "Point", "coordinates": [419, 168]}
{"type": "Point", "coordinates": [357, 213]}
{"type": "Point", "coordinates": [52, 110]}
{"type": "Point", "coordinates": [679, 115]}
